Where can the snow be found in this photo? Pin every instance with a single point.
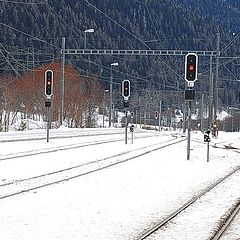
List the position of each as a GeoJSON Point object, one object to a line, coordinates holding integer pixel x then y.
{"type": "Point", "coordinates": [222, 115]}
{"type": "Point", "coordinates": [117, 203]}
{"type": "Point", "coordinates": [233, 232]}
{"type": "Point", "coordinates": [204, 214]}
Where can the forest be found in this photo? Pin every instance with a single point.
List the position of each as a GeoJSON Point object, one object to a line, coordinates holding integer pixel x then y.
{"type": "Point", "coordinates": [31, 42]}
{"type": "Point", "coordinates": [82, 95]}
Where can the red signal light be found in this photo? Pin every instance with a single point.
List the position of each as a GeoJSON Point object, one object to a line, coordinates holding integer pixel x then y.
{"type": "Point", "coordinates": [49, 83]}
{"type": "Point", "coordinates": [191, 62]}
{"type": "Point", "coordinates": [191, 67]}
{"type": "Point", "coordinates": [126, 88]}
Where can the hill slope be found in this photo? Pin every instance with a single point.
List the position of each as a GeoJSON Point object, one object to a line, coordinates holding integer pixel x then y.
{"type": "Point", "coordinates": [224, 12]}
{"type": "Point", "coordinates": [36, 30]}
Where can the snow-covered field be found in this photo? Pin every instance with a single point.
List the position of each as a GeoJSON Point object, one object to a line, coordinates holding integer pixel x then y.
{"type": "Point", "coordinates": [120, 202]}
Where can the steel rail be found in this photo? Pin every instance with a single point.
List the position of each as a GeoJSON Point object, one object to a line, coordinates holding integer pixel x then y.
{"type": "Point", "coordinates": [66, 175]}
{"type": "Point", "coordinates": [62, 148]}
{"type": "Point", "coordinates": [227, 221]}
{"type": "Point", "coordinates": [166, 220]}
{"type": "Point", "coordinates": [60, 135]}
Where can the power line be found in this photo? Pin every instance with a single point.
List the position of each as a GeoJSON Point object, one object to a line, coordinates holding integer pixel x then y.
{"type": "Point", "coordinates": [61, 19]}
{"type": "Point", "coordinates": [118, 24]}
{"type": "Point", "coordinates": [29, 35]}
{"type": "Point", "coordinates": [133, 35]}
{"type": "Point", "coordinates": [19, 2]}
{"type": "Point", "coordinates": [231, 43]}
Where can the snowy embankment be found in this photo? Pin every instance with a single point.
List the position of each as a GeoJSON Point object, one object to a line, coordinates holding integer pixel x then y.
{"type": "Point", "coordinates": [117, 203]}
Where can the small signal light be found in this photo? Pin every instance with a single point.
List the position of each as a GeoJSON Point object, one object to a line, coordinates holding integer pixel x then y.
{"type": "Point", "coordinates": [191, 62]}
{"type": "Point", "coordinates": [126, 88]}
{"type": "Point", "coordinates": [49, 83]}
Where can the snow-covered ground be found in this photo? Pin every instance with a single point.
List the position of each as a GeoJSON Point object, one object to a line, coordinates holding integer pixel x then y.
{"type": "Point", "coordinates": [117, 203]}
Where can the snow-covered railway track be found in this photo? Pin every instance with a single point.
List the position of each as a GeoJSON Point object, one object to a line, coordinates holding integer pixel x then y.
{"type": "Point", "coordinates": [227, 146]}
{"type": "Point", "coordinates": [52, 149]}
{"type": "Point", "coordinates": [227, 221]}
{"type": "Point", "coordinates": [232, 144]}
{"type": "Point", "coordinates": [36, 182]}
{"type": "Point", "coordinates": [173, 221]}
{"type": "Point", "coordinates": [54, 135]}
{"type": "Point", "coordinates": [55, 149]}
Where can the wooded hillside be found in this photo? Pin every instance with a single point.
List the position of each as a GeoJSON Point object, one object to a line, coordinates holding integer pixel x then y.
{"type": "Point", "coordinates": [32, 34]}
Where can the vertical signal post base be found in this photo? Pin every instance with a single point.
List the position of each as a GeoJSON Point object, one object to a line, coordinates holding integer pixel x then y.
{"type": "Point", "coordinates": [48, 104]}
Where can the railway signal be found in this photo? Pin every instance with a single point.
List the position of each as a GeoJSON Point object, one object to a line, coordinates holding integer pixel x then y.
{"type": "Point", "coordinates": [207, 140]}
{"type": "Point", "coordinates": [126, 89]}
{"type": "Point", "coordinates": [126, 94]}
{"type": "Point", "coordinates": [190, 94]}
{"type": "Point", "coordinates": [206, 136]}
{"type": "Point", "coordinates": [131, 131]}
{"type": "Point", "coordinates": [125, 104]}
{"type": "Point", "coordinates": [191, 65]}
{"type": "Point", "coordinates": [49, 83]}
{"type": "Point", "coordinates": [48, 93]}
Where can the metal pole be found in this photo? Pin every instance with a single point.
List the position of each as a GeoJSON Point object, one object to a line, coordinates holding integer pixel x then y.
{"type": "Point", "coordinates": [210, 102]}
{"type": "Point", "coordinates": [215, 83]}
{"type": "Point", "coordinates": [132, 136]}
{"type": "Point", "coordinates": [189, 130]}
{"type": "Point", "coordinates": [136, 117]}
{"type": "Point", "coordinates": [159, 116]}
{"type": "Point", "coordinates": [113, 116]}
{"type": "Point", "coordinates": [85, 40]}
{"type": "Point", "coordinates": [202, 108]}
{"type": "Point", "coordinates": [111, 93]}
{"type": "Point", "coordinates": [103, 108]}
{"type": "Point", "coordinates": [140, 112]}
{"type": "Point", "coordinates": [208, 152]}
{"type": "Point", "coordinates": [103, 117]}
{"type": "Point", "coordinates": [145, 111]}
{"type": "Point", "coordinates": [48, 123]}
{"type": "Point", "coordinates": [184, 116]}
{"type": "Point", "coordinates": [62, 82]}
{"type": "Point", "coordinates": [126, 123]}
{"type": "Point", "coordinates": [111, 98]}
{"type": "Point", "coordinates": [140, 119]}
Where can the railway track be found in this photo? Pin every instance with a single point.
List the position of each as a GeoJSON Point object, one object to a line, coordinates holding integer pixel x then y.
{"type": "Point", "coordinates": [149, 234]}
{"type": "Point", "coordinates": [223, 145]}
{"type": "Point", "coordinates": [51, 149]}
{"type": "Point", "coordinates": [59, 134]}
{"type": "Point", "coordinates": [227, 221]}
{"type": "Point", "coordinates": [24, 185]}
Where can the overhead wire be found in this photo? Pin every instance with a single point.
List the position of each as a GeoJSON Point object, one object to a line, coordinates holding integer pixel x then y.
{"type": "Point", "coordinates": [118, 24]}
{"type": "Point", "coordinates": [29, 35]}
{"type": "Point", "coordinates": [61, 19]}
{"type": "Point", "coordinates": [115, 70]}
{"type": "Point", "coordinates": [234, 77]}
{"type": "Point", "coordinates": [74, 32]}
{"type": "Point", "coordinates": [159, 37]}
{"type": "Point", "coordinates": [21, 2]}
{"type": "Point", "coordinates": [230, 43]}
{"type": "Point", "coordinates": [44, 41]}
{"type": "Point", "coordinates": [81, 37]}
{"type": "Point", "coordinates": [133, 35]}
